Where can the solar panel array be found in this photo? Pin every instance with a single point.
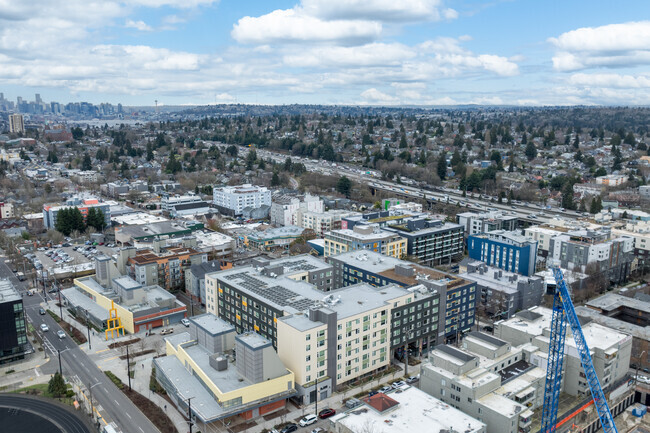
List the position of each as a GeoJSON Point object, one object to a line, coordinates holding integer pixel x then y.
{"type": "Point", "coordinates": [276, 294]}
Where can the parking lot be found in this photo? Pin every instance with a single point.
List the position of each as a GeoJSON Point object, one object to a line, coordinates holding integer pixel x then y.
{"type": "Point", "coordinates": [68, 256]}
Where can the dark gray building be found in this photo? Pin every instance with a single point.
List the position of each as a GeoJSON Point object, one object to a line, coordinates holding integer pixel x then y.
{"type": "Point", "coordinates": [429, 241]}
{"type": "Point", "coordinates": [457, 297]}
{"type": "Point", "coordinates": [195, 279]}
{"type": "Point", "coordinates": [13, 332]}
{"type": "Point", "coordinates": [504, 293]}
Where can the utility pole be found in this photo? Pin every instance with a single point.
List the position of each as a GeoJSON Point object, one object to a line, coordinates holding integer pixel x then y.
{"type": "Point", "coordinates": [88, 327]}
{"type": "Point", "coordinates": [128, 366]}
{"type": "Point", "coordinates": [60, 369]}
{"type": "Point", "coordinates": [58, 290]}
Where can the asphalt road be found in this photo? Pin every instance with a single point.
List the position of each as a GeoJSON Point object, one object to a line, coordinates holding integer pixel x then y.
{"type": "Point", "coordinates": [116, 406]}
{"type": "Point", "coordinates": [60, 417]}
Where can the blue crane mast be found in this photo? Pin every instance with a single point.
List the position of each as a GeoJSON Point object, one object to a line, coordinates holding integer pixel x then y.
{"type": "Point", "coordinates": [563, 312]}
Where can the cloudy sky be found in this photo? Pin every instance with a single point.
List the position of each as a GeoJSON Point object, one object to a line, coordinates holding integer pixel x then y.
{"type": "Point", "coordinates": [376, 52]}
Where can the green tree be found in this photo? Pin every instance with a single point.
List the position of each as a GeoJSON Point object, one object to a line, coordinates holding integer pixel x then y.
{"type": "Point", "coordinates": [442, 167]}
{"type": "Point", "coordinates": [173, 164]}
{"type": "Point", "coordinates": [596, 205]}
{"type": "Point", "coordinates": [600, 171]}
{"type": "Point", "coordinates": [402, 142]}
{"type": "Point", "coordinates": [344, 186]}
{"type": "Point", "coordinates": [86, 163]}
{"type": "Point", "coordinates": [68, 220]}
{"type": "Point", "coordinates": [250, 159]}
{"type": "Point", "coordinates": [275, 180]}
{"type": "Point", "coordinates": [567, 196]}
{"type": "Point", "coordinates": [77, 133]}
{"type": "Point", "coordinates": [95, 219]}
{"type": "Point", "coordinates": [56, 386]}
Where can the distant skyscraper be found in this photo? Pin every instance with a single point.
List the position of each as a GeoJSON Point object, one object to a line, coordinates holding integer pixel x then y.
{"type": "Point", "coordinates": [16, 123]}
{"type": "Point", "coordinates": [38, 98]}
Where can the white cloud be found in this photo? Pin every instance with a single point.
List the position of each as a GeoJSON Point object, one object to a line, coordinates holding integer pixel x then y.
{"type": "Point", "coordinates": [375, 54]}
{"type": "Point", "coordinates": [374, 96]}
{"type": "Point", "coordinates": [380, 10]}
{"type": "Point", "coordinates": [138, 25]}
{"type": "Point", "coordinates": [293, 25]}
{"type": "Point", "coordinates": [225, 98]}
{"type": "Point", "coordinates": [617, 81]}
{"type": "Point", "coordinates": [613, 45]}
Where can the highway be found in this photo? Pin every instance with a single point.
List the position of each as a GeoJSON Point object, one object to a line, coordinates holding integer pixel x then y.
{"type": "Point", "coordinates": [113, 405]}
{"type": "Point", "coordinates": [531, 211]}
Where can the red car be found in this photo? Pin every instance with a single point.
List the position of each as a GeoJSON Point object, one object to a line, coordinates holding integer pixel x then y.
{"type": "Point", "coordinates": [326, 413]}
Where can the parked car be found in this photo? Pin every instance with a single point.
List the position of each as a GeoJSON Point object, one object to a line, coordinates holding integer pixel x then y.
{"type": "Point", "coordinates": [412, 379]}
{"type": "Point", "coordinates": [398, 384]}
{"type": "Point", "coordinates": [60, 334]}
{"type": "Point", "coordinates": [326, 413]}
{"type": "Point", "coordinates": [44, 327]}
{"type": "Point", "coordinates": [385, 389]}
{"type": "Point", "coordinates": [318, 430]}
{"type": "Point", "coordinates": [371, 393]}
{"type": "Point", "coordinates": [185, 322]}
{"type": "Point", "coordinates": [167, 331]}
{"type": "Point", "coordinates": [41, 311]}
{"type": "Point", "coordinates": [308, 420]}
{"type": "Point", "coordinates": [289, 428]}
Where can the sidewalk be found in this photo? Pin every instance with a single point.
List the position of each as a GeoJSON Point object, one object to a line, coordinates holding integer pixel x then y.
{"type": "Point", "coordinates": [26, 372]}
{"type": "Point", "coordinates": [335, 400]}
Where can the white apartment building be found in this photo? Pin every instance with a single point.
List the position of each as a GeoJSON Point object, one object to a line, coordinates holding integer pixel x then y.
{"type": "Point", "coordinates": [488, 380]}
{"type": "Point", "coordinates": [611, 180]}
{"type": "Point", "coordinates": [285, 211]}
{"type": "Point", "coordinates": [169, 201]}
{"type": "Point", "coordinates": [16, 123]}
{"type": "Point", "coordinates": [610, 350]}
{"type": "Point", "coordinates": [232, 200]}
{"type": "Point", "coordinates": [345, 336]}
{"type": "Point", "coordinates": [543, 236]}
{"type": "Point", "coordinates": [322, 222]}
{"type": "Point", "coordinates": [6, 210]}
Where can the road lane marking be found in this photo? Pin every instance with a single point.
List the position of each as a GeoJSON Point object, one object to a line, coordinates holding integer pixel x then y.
{"type": "Point", "coordinates": [127, 414]}
{"type": "Point", "coordinates": [103, 350]}
{"type": "Point", "coordinates": [141, 429]}
{"type": "Point", "coordinates": [116, 402]}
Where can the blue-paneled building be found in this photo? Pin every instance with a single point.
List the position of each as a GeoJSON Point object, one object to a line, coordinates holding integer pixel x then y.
{"type": "Point", "coordinates": [505, 250]}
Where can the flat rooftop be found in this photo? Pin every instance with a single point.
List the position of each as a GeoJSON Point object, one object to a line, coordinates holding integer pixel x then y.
{"type": "Point", "coordinates": [137, 218]}
{"type": "Point", "coordinates": [377, 263]}
{"type": "Point", "coordinates": [153, 229]}
{"type": "Point", "coordinates": [78, 299]}
{"type": "Point", "coordinates": [8, 292]}
{"type": "Point", "coordinates": [612, 301]}
{"type": "Point", "coordinates": [300, 263]}
{"type": "Point", "coordinates": [416, 411]}
{"type": "Point", "coordinates": [641, 332]}
{"type": "Point", "coordinates": [507, 281]}
{"type": "Point", "coordinates": [375, 235]}
{"type": "Point", "coordinates": [212, 324]}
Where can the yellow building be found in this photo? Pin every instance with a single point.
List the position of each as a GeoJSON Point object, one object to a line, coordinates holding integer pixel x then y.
{"type": "Point", "coordinates": [201, 364]}
{"type": "Point", "coordinates": [365, 237]}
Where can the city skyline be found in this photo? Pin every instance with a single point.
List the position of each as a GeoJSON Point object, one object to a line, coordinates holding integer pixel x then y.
{"type": "Point", "coordinates": [348, 52]}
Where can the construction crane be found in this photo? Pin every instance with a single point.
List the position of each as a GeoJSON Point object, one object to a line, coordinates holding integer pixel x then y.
{"type": "Point", "coordinates": [563, 312]}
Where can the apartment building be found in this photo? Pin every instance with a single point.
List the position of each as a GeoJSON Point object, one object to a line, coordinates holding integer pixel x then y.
{"type": "Point", "coordinates": [430, 241]}
{"type": "Point", "coordinates": [365, 237]}
{"type": "Point", "coordinates": [273, 238]}
{"type": "Point", "coordinates": [503, 293]}
{"type": "Point", "coordinates": [232, 200]}
{"type": "Point", "coordinates": [640, 232]}
{"type": "Point", "coordinates": [168, 201]}
{"type": "Point", "coordinates": [6, 210]}
{"type": "Point", "coordinates": [195, 279]}
{"type": "Point", "coordinates": [16, 123]}
{"type": "Point", "coordinates": [611, 180]}
{"type": "Point", "coordinates": [487, 379]}
{"type": "Point", "coordinates": [13, 338]}
{"type": "Point", "coordinates": [164, 267]}
{"type": "Point", "coordinates": [224, 373]}
{"type": "Point", "coordinates": [339, 338]}
{"type": "Point", "coordinates": [287, 210]}
{"type": "Point", "coordinates": [476, 223]}
{"type": "Point", "coordinates": [543, 235]}
{"type": "Point", "coordinates": [322, 222]}
{"type": "Point", "coordinates": [610, 349]}
{"type": "Point", "coordinates": [504, 250]}
{"type": "Point", "coordinates": [450, 311]}
{"type": "Point", "coordinates": [594, 249]}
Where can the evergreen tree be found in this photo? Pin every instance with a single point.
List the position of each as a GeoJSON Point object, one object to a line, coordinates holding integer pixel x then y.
{"type": "Point", "coordinates": [56, 386]}
{"type": "Point", "coordinates": [442, 167]}
{"type": "Point", "coordinates": [596, 205]}
{"type": "Point", "coordinates": [275, 180]}
{"type": "Point", "coordinates": [344, 186]}
{"type": "Point", "coordinates": [567, 196]}
{"type": "Point", "coordinates": [402, 142]}
{"type": "Point", "coordinates": [86, 163]}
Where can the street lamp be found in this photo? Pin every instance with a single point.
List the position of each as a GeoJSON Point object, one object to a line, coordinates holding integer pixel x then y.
{"type": "Point", "coordinates": [60, 352]}
{"type": "Point", "coordinates": [92, 407]}
{"type": "Point", "coordinates": [88, 326]}
{"type": "Point", "coordinates": [189, 412]}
